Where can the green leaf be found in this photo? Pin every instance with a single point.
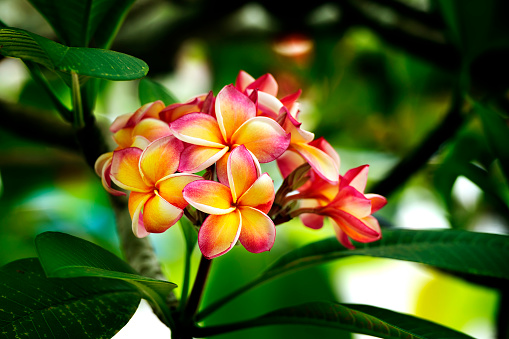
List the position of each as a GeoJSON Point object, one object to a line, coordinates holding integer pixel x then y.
{"type": "Point", "coordinates": [455, 250]}
{"type": "Point", "coordinates": [65, 256]}
{"type": "Point", "coordinates": [461, 251]}
{"type": "Point", "coordinates": [150, 91]}
{"type": "Point", "coordinates": [496, 131]}
{"type": "Point", "coordinates": [362, 319]}
{"type": "Point", "coordinates": [415, 325]}
{"type": "Point", "coordinates": [77, 22]}
{"type": "Point", "coordinates": [92, 62]}
{"type": "Point", "coordinates": [34, 306]}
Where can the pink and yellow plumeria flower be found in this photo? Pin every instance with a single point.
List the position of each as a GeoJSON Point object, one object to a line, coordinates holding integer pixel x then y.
{"type": "Point", "coordinates": [348, 208]}
{"type": "Point", "coordinates": [320, 155]}
{"type": "Point", "coordinates": [211, 140]}
{"type": "Point", "coordinates": [144, 122]}
{"type": "Point", "coordinates": [136, 129]}
{"type": "Point", "coordinates": [237, 211]}
{"type": "Point", "coordinates": [155, 201]}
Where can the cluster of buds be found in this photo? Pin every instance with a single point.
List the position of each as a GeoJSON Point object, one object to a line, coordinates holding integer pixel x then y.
{"type": "Point", "coordinates": [202, 159]}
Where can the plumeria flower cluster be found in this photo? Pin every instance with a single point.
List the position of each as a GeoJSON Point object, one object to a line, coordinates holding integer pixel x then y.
{"type": "Point", "coordinates": [202, 159]}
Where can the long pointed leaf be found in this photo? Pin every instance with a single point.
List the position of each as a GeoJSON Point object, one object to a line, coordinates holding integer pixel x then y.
{"type": "Point", "coordinates": [65, 256]}
{"type": "Point", "coordinates": [460, 251]}
{"type": "Point", "coordinates": [92, 62]}
{"type": "Point", "coordinates": [362, 319]}
{"type": "Point", "coordinates": [34, 306]}
{"type": "Point", "coordinates": [497, 133]}
{"type": "Point", "coordinates": [77, 22]}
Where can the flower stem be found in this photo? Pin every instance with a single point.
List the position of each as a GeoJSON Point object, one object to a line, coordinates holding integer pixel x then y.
{"type": "Point", "coordinates": [199, 284]}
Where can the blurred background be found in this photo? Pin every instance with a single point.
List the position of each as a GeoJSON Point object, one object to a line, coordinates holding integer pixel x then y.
{"type": "Point", "coordinates": [381, 81]}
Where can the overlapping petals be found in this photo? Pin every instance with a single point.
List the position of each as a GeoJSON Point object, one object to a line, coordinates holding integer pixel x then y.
{"type": "Point", "coordinates": [266, 83]}
{"type": "Point", "coordinates": [236, 124]}
{"type": "Point", "coordinates": [318, 153]}
{"type": "Point", "coordinates": [345, 204]}
{"type": "Point", "coordinates": [229, 136]}
{"type": "Point", "coordinates": [143, 122]}
{"type": "Point", "coordinates": [237, 211]}
{"type": "Point", "coordinates": [200, 104]}
{"type": "Point", "coordinates": [136, 129]}
{"type": "Point", "coordinates": [155, 201]}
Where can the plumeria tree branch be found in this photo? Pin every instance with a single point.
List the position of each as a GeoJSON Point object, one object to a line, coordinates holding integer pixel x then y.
{"type": "Point", "coordinates": [410, 164]}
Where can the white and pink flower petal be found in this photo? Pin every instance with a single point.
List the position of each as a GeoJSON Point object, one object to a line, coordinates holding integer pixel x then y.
{"type": "Point", "coordinates": [196, 158]}
{"type": "Point", "coordinates": [266, 83]}
{"type": "Point", "coordinates": [159, 215]}
{"type": "Point", "coordinates": [135, 204]}
{"type": "Point", "coordinates": [269, 105]}
{"type": "Point", "coordinates": [232, 109]}
{"type": "Point", "coordinates": [362, 230]}
{"type": "Point", "coordinates": [243, 80]}
{"type": "Point", "coordinates": [259, 195]}
{"type": "Point", "coordinates": [320, 161]}
{"type": "Point", "coordinates": [342, 236]}
{"type": "Point", "coordinates": [106, 179]}
{"type": "Point", "coordinates": [311, 220]}
{"type": "Point", "coordinates": [219, 233]}
{"type": "Point", "coordinates": [171, 187]}
{"type": "Point", "coordinates": [292, 126]}
{"type": "Point", "coordinates": [323, 145]}
{"type": "Point", "coordinates": [263, 137]}
{"type": "Point", "coordinates": [209, 196]}
{"type": "Point", "coordinates": [152, 129]}
{"type": "Point", "coordinates": [258, 232]}
{"type": "Point", "coordinates": [149, 110]}
{"type": "Point", "coordinates": [198, 129]}
{"type": "Point", "coordinates": [177, 110]}
{"type": "Point", "coordinates": [125, 171]}
{"type": "Point", "coordinates": [241, 171]}
{"type": "Point", "coordinates": [356, 177]}
{"type": "Point", "coordinates": [140, 142]}
{"type": "Point", "coordinates": [377, 201]}
{"type": "Point", "coordinates": [123, 137]}
{"type": "Point", "coordinates": [160, 158]}
{"type": "Point", "coordinates": [290, 102]}
{"type": "Point", "coordinates": [352, 201]}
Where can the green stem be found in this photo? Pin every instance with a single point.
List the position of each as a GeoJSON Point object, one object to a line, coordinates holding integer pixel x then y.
{"type": "Point", "coordinates": [187, 324]}
{"type": "Point", "coordinates": [77, 104]}
{"type": "Point", "coordinates": [199, 284]}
